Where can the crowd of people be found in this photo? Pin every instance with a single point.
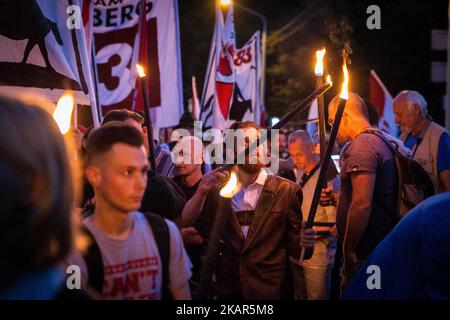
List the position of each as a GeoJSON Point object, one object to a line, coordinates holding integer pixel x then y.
{"type": "Point", "coordinates": [138, 232]}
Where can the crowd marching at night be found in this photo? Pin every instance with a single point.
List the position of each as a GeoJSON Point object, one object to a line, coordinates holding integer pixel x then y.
{"type": "Point", "coordinates": [110, 211]}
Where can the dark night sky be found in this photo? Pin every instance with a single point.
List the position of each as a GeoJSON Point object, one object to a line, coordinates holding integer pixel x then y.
{"type": "Point", "coordinates": [400, 52]}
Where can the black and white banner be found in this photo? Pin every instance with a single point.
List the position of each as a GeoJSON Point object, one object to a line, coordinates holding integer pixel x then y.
{"type": "Point", "coordinates": [43, 51]}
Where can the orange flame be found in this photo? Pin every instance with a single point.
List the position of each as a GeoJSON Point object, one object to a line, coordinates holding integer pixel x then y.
{"type": "Point", "coordinates": [319, 62]}
{"type": "Point", "coordinates": [63, 112]}
{"type": "Point", "coordinates": [344, 90]}
{"type": "Point", "coordinates": [231, 188]}
{"type": "Point", "coordinates": [329, 80]}
{"type": "Point", "coordinates": [140, 71]}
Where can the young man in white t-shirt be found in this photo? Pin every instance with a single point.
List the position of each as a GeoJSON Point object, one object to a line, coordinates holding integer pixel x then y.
{"type": "Point", "coordinates": [116, 167]}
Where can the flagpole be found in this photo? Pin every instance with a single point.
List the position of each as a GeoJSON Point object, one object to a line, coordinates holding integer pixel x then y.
{"type": "Point", "coordinates": [195, 102]}
{"type": "Point", "coordinates": [75, 116]}
{"type": "Point", "coordinates": [145, 97]}
{"type": "Point", "coordinates": [148, 123]}
{"type": "Point", "coordinates": [97, 109]}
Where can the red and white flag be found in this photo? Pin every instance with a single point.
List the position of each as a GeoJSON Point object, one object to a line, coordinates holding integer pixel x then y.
{"type": "Point", "coordinates": [120, 45]}
{"type": "Point", "coordinates": [231, 89]}
{"type": "Point", "coordinates": [382, 101]}
{"type": "Point", "coordinates": [220, 76]}
{"type": "Point", "coordinates": [43, 51]}
{"type": "Point", "coordinates": [207, 102]}
{"type": "Point", "coordinates": [225, 73]}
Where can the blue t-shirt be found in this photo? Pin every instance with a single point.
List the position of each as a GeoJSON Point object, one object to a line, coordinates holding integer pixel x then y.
{"type": "Point", "coordinates": [43, 284]}
{"type": "Point", "coordinates": [414, 259]}
{"type": "Point", "coordinates": [443, 159]}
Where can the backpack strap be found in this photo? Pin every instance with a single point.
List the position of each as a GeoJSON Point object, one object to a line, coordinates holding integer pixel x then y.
{"type": "Point", "coordinates": [395, 153]}
{"type": "Point", "coordinates": [377, 133]}
{"type": "Point", "coordinates": [94, 263]}
{"type": "Point", "coordinates": [162, 238]}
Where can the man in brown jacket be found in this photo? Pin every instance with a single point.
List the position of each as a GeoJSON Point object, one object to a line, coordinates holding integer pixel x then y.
{"type": "Point", "coordinates": [263, 228]}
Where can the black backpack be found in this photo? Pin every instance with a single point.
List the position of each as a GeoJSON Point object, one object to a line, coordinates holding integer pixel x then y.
{"type": "Point", "coordinates": [414, 184]}
{"type": "Point", "coordinates": [93, 257]}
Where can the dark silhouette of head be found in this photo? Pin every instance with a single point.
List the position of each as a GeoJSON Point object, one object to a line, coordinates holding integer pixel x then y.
{"type": "Point", "coordinates": [36, 192]}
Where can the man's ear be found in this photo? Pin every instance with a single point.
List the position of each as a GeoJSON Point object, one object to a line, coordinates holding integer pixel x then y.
{"type": "Point", "coordinates": [93, 175]}
{"type": "Point", "coordinates": [417, 108]}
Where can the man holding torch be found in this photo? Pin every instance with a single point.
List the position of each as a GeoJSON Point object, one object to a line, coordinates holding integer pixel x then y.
{"type": "Point", "coordinates": [262, 227]}
{"type": "Point", "coordinates": [366, 210]}
{"type": "Point", "coordinates": [312, 277]}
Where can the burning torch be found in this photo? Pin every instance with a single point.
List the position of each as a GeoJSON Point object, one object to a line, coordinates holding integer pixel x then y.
{"type": "Point", "coordinates": [320, 103]}
{"type": "Point", "coordinates": [148, 117]}
{"type": "Point", "coordinates": [322, 179]}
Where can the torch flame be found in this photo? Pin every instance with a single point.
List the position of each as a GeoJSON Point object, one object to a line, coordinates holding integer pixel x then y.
{"type": "Point", "coordinates": [319, 62]}
{"type": "Point", "coordinates": [329, 80]}
{"type": "Point", "coordinates": [63, 112]}
{"type": "Point", "coordinates": [344, 91]}
{"type": "Point", "coordinates": [231, 188]}
{"type": "Point", "coordinates": [140, 71]}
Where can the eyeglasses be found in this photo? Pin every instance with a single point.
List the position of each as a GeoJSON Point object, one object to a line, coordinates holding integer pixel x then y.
{"type": "Point", "coordinates": [331, 121]}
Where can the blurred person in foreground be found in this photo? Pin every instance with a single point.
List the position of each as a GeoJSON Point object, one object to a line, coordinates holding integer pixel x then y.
{"type": "Point", "coordinates": [413, 261]}
{"type": "Point", "coordinates": [36, 201]}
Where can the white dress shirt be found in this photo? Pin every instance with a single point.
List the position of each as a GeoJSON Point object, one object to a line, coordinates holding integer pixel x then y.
{"type": "Point", "coordinates": [247, 197]}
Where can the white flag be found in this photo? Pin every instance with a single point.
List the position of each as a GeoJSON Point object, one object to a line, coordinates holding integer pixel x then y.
{"type": "Point", "coordinates": [246, 101]}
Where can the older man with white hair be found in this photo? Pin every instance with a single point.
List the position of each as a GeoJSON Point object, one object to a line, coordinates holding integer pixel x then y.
{"type": "Point", "coordinates": [429, 142]}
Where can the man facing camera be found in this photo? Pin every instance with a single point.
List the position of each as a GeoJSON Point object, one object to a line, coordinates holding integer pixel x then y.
{"type": "Point", "coordinates": [263, 227]}
{"type": "Point", "coordinates": [313, 277]}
